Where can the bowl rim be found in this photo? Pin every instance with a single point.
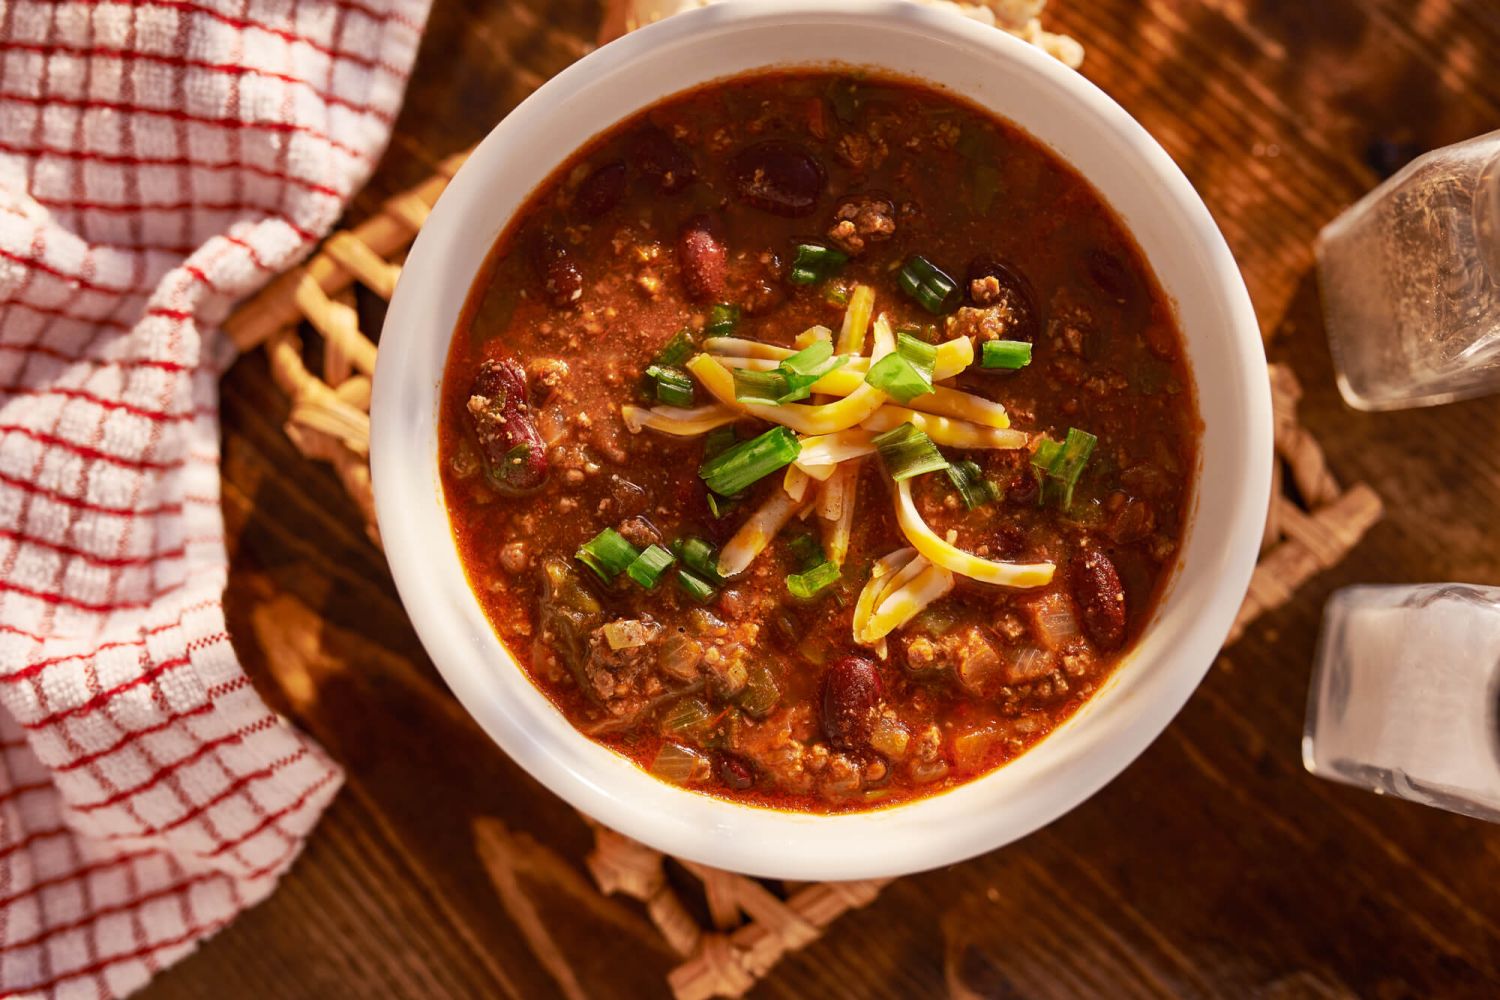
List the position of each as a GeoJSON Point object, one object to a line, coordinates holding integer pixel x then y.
{"type": "Point", "coordinates": [912, 836]}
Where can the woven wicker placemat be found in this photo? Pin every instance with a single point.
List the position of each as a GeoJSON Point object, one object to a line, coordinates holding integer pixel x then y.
{"type": "Point", "coordinates": [750, 923]}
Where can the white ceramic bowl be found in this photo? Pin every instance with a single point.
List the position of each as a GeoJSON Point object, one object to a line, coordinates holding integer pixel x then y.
{"type": "Point", "coordinates": [1080, 124]}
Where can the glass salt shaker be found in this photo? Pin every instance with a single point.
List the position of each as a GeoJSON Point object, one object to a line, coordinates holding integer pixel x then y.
{"type": "Point", "coordinates": [1410, 279]}
{"type": "Point", "coordinates": [1405, 696]}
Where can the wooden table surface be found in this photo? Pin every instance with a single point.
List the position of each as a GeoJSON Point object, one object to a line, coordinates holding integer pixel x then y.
{"type": "Point", "coordinates": [1215, 866]}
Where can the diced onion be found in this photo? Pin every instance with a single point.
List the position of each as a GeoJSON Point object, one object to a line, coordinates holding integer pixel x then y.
{"type": "Point", "coordinates": [756, 533]}
{"type": "Point", "coordinates": [1028, 664]}
{"type": "Point", "coordinates": [949, 556]}
{"type": "Point", "coordinates": [1055, 621]}
{"type": "Point", "coordinates": [680, 765]}
{"type": "Point", "coordinates": [630, 633]}
{"type": "Point", "coordinates": [676, 420]}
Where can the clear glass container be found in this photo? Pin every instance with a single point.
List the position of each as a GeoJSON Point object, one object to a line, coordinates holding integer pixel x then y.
{"type": "Point", "coordinates": [1410, 278]}
{"type": "Point", "coordinates": [1404, 697]}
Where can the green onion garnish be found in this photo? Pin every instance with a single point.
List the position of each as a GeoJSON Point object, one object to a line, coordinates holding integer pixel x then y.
{"type": "Point", "coordinates": [695, 586]}
{"type": "Point", "coordinates": [675, 351]}
{"type": "Point", "coordinates": [699, 557]}
{"type": "Point", "coordinates": [804, 368]}
{"type": "Point", "coordinates": [809, 582]}
{"type": "Point", "coordinates": [648, 567]}
{"type": "Point", "coordinates": [906, 373]}
{"type": "Point", "coordinates": [750, 461]}
{"type": "Point", "coordinates": [792, 379]}
{"type": "Point", "coordinates": [807, 549]}
{"type": "Point", "coordinates": [1010, 354]}
{"type": "Point", "coordinates": [722, 319]}
{"type": "Point", "coordinates": [608, 554]}
{"type": "Point", "coordinates": [934, 290]}
{"type": "Point", "coordinates": [720, 506]}
{"type": "Point", "coordinates": [973, 488]}
{"type": "Point", "coordinates": [1059, 464]}
{"type": "Point", "coordinates": [813, 263]}
{"type": "Point", "coordinates": [719, 440]}
{"type": "Point", "coordinates": [759, 387]}
{"type": "Point", "coordinates": [837, 293]}
{"type": "Point", "coordinates": [908, 452]}
{"type": "Point", "coordinates": [673, 385]}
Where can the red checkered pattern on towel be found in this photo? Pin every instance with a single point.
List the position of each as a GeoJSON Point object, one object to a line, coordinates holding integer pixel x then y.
{"type": "Point", "coordinates": [159, 160]}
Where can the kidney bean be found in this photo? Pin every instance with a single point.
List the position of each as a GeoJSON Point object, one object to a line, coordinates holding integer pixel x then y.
{"type": "Point", "coordinates": [733, 770]}
{"type": "Point", "coordinates": [602, 189]}
{"type": "Point", "coordinates": [663, 159]}
{"type": "Point", "coordinates": [778, 176]}
{"type": "Point", "coordinates": [1009, 289]}
{"type": "Point", "coordinates": [515, 458]}
{"type": "Point", "coordinates": [562, 282]}
{"type": "Point", "coordinates": [851, 692]}
{"type": "Point", "coordinates": [702, 258]}
{"type": "Point", "coordinates": [1101, 599]}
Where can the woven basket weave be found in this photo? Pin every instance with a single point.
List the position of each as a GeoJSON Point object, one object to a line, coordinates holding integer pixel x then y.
{"type": "Point", "coordinates": [752, 923]}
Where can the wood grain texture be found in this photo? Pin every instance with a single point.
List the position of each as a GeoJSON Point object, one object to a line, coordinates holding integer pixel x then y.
{"type": "Point", "coordinates": [1215, 866]}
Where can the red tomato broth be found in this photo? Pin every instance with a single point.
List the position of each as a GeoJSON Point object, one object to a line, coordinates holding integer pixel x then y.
{"type": "Point", "coordinates": [1108, 358]}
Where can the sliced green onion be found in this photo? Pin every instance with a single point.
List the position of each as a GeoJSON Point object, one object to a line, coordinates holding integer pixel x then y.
{"type": "Point", "coordinates": [1077, 447]}
{"type": "Point", "coordinates": [675, 351]}
{"type": "Point", "coordinates": [696, 587]}
{"type": "Point", "coordinates": [1010, 354]}
{"type": "Point", "coordinates": [607, 554]}
{"type": "Point", "coordinates": [719, 440]}
{"type": "Point", "coordinates": [761, 692]}
{"type": "Point", "coordinates": [648, 567]}
{"type": "Point", "coordinates": [674, 386]}
{"type": "Point", "coordinates": [907, 373]}
{"type": "Point", "coordinates": [922, 355]}
{"type": "Point", "coordinates": [759, 387]}
{"type": "Point", "coordinates": [680, 765]}
{"type": "Point", "coordinates": [807, 549]}
{"type": "Point", "coordinates": [804, 368]}
{"type": "Point", "coordinates": [750, 461]}
{"type": "Point", "coordinates": [1060, 463]}
{"type": "Point", "coordinates": [689, 713]}
{"type": "Point", "coordinates": [814, 263]}
{"type": "Point", "coordinates": [973, 488]}
{"type": "Point", "coordinates": [898, 378]}
{"type": "Point", "coordinates": [908, 452]}
{"type": "Point", "coordinates": [837, 293]}
{"type": "Point", "coordinates": [927, 332]}
{"type": "Point", "coordinates": [809, 582]}
{"type": "Point", "coordinates": [809, 359]}
{"type": "Point", "coordinates": [923, 281]}
{"type": "Point", "coordinates": [699, 557]}
{"type": "Point", "coordinates": [720, 506]}
{"type": "Point", "coordinates": [722, 319]}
